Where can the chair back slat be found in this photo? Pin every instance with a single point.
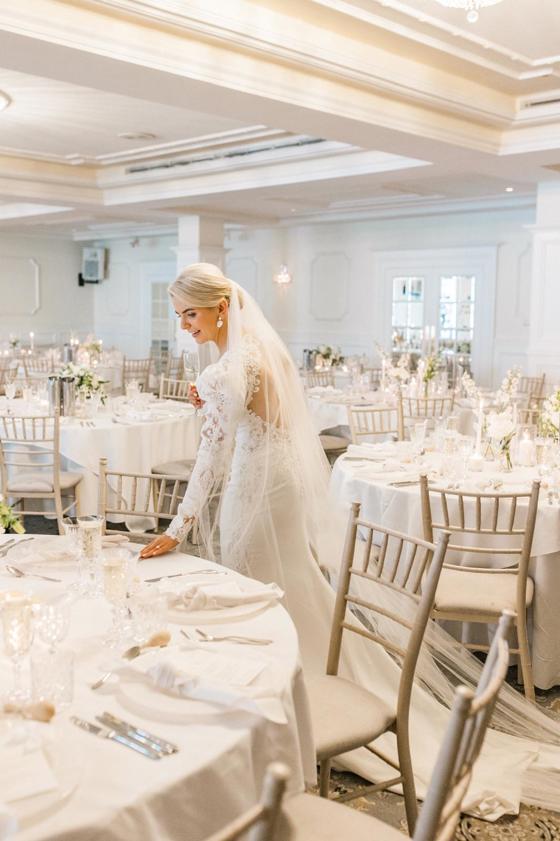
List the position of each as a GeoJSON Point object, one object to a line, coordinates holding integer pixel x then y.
{"type": "Point", "coordinates": [139, 370]}
{"type": "Point", "coordinates": [170, 389]}
{"type": "Point", "coordinates": [504, 523]}
{"type": "Point", "coordinates": [422, 408]}
{"type": "Point", "coordinates": [470, 716]}
{"type": "Point", "coordinates": [369, 422]}
{"type": "Point", "coordinates": [319, 378]}
{"type": "Point", "coordinates": [392, 568]}
{"type": "Point", "coordinates": [533, 386]}
{"type": "Point", "coordinates": [146, 495]}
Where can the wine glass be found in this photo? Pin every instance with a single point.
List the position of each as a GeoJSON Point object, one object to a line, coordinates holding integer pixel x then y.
{"type": "Point", "coordinates": [191, 365]}
{"type": "Point", "coordinates": [10, 392]}
{"type": "Point", "coordinates": [52, 620]}
{"type": "Point", "coordinates": [17, 628]}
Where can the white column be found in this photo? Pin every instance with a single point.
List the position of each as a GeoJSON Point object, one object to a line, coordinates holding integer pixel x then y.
{"type": "Point", "coordinates": [544, 341]}
{"type": "Point", "coordinates": [200, 240]}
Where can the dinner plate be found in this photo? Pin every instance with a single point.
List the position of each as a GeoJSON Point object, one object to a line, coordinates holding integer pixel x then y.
{"type": "Point", "coordinates": [217, 615]}
{"type": "Point", "coordinates": [145, 699]}
{"type": "Point", "coordinates": [41, 553]}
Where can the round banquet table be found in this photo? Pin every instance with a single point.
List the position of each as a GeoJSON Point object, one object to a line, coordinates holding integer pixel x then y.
{"type": "Point", "coordinates": [130, 445]}
{"type": "Point", "coordinates": [108, 792]}
{"type": "Point", "coordinates": [328, 407]}
{"type": "Point", "coordinates": [399, 508]}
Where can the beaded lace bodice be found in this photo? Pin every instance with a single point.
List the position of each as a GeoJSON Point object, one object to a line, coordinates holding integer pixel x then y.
{"type": "Point", "coordinates": [230, 433]}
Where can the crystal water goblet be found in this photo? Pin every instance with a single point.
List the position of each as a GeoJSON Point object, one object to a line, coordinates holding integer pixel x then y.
{"type": "Point", "coordinates": [17, 627]}
{"type": "Point", "coordinates": [52, 621]}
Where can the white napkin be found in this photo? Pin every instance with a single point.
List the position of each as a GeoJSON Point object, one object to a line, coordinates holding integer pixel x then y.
{"type": "Point", "coordinates": [24, 770]}
{"type": "Point", "coordinates": [257, 701]}
{"type": "Point", "coordinates": [208, 595]}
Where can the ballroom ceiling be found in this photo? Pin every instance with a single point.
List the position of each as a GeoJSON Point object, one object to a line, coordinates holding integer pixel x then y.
{"type": "Point", "coordinates": [271, 111]}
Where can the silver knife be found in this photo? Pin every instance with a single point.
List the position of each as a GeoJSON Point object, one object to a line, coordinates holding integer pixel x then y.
{"type": "Point", "coordinates": [114, 736]}
{"type": "Point", "coordinates": [137, 733]}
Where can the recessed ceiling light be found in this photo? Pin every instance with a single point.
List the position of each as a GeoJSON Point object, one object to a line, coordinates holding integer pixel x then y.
{"type": "Point", "coordinates": [137, 135]}
{"type": "Point", "coordinates": [4, 100]}
{"type": "Point", "coordinates": [509, 189]}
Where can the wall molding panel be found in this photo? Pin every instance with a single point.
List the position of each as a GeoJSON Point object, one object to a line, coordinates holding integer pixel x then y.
{"type": "Point", "coordinates": [329, 286]}
{"type": "Point", "coordinates": [20, 286]}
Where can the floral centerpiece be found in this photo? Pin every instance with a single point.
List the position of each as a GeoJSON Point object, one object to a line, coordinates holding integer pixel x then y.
{"type": "Point", "coordinates": [508, 388]}
{"type": "Point", "coordinates": [14, 342]}
{"type": "Point", "coordinates": [550, 415]}
{"type": "Point", "coordinates": [87, 382]}
{"type": "Point", "coordinates": [94, 348]}
{"type": "Point", "coordinates": [8, 520]}
{"type": "Point", "coordinates": [469, 388]}
{"type": "Point", "coordinates": [394, 375]}
{"type": "Point", "coordinates": [501, 428]}
{"type": "Point", "coordinates": [333, 356]}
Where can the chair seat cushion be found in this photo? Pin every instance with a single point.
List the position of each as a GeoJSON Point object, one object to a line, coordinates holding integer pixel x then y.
{"type": "Point", "coordinates": [39, 482]}
{"type": "Point", "coordinates": [306, 817]}
{"type": "Point", "coordinates": [344, 715]}
{"type": "Point", "coordinates": [333, 442]}
{"type": "Point", "coordinates": [462, 591]}
{"type": "Point", "coordinates": [183, 469]}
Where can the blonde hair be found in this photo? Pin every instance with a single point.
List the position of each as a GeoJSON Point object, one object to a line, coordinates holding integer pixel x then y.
{"type": "Point", "coordinates": [202, 285]}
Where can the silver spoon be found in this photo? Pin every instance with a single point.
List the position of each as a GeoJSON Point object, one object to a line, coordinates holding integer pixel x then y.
{"type": "Point", "coordinates": [179, 574]}
{"type": "Point", "coordinates": [19, 573]}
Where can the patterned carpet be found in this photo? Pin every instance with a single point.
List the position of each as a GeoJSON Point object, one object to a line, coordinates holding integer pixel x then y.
{"type": "Point", "coordinates": [532, 824]}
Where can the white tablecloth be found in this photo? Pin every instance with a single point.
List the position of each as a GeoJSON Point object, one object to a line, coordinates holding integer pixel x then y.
{"type": "Point", "coordinates": [399, 508]}
{"type": "Point", "coordinates": [135, 446]}
{"type": "Point", "coordinates": [122, 796]}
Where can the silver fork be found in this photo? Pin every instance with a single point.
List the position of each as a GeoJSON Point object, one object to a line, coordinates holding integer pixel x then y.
{"type": "Point", "coordinates": [231, 638]}
{"type": "Point", "coordinates": [11, 544]}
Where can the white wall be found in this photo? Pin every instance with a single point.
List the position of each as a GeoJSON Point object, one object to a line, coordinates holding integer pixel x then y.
{"type": "Point", "coordinates": [39, 289]}
{"type": "Point", "coordinates": [122, 301]}
{"type": "Point", "coordinates": [336, 297]}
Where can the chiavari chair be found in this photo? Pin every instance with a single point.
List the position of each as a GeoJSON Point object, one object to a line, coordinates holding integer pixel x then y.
{"type": "Point", "coordinates": [502, 524]}
{"type": "Point", "coordinates": [30, 465]}
{"type": "Point", "coordinates": [170, 389]}
{"type": "Point", "coordinates": [138, 370]}
{"type": "Point", "coordinates": [532, 386]}
{"type": "Point", "coordinates": [369, 422]}
{"type": "Point", "coordinates": [319, 378]}
{"type": "Point", "coordinates": [376, 561]}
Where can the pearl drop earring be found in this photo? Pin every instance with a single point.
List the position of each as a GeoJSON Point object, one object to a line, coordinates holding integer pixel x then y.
{"type": "Point", "coordinates": [219, 323]}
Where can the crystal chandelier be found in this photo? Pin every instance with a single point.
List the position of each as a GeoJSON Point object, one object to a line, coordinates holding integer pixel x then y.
{"type": "Point", "coordinates": [283, 276]}
{"type": "Point", "coordinates": [470, 6]}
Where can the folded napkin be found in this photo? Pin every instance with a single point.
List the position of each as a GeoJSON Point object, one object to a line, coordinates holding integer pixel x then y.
{"type": "Point", "coordinates": [212, 596]}
{"type": "Point", "coordinates": [257, 701]}
{"type": "Point", "coordinates": [373, 452]}
{"type": "Point", "coordinates": [24, 770]}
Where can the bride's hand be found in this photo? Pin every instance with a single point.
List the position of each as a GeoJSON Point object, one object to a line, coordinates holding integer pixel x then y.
{"type": "Point", "coordinates": [193, 397]}
{"type": "Point", "coordinates": [159, 546]}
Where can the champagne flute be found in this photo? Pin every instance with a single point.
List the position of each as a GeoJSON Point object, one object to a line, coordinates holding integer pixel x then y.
{"type": "Point", "coordinates": [18, 634]}
{"type": "Point", "coordinates": [116, 574]}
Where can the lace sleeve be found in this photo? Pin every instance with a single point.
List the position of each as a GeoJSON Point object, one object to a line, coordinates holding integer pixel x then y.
{"type": "Point", "coordinates": [209, 467]}
{"type": "Point", "coordinates": [224, 397]}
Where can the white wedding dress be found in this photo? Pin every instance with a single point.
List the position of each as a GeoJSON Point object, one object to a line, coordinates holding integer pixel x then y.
{"type": "Point", "coordinates": [250, 485]}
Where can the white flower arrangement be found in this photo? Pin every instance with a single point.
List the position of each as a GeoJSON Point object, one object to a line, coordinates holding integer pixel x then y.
{"type": "Point", "coordinates": [550, 415]}
{"type": "Point", "coordinates": [395, 375]}
{"type": "Point", "coordinates": [87, 382]}
{"type": "Point", "coordinates": [501, 428]}
{"type": "Point", "coordinates": [329, 353]}
{"type": "Point", "coordinates": [508, 388]}
{"type": "Point", "coordinates": [470, 390]}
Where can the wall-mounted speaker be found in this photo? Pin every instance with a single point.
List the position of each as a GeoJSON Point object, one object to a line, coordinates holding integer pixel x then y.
{"type": "Point", "coordinates": [94, 263]}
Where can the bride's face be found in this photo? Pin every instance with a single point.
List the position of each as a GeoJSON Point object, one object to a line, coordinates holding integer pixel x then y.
{"type": "Point", "coordinates": [200, 322]}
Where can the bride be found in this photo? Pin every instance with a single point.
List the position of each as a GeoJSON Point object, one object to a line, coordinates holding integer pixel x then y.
{"type": "Point", "coordinates": [259, 495]}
